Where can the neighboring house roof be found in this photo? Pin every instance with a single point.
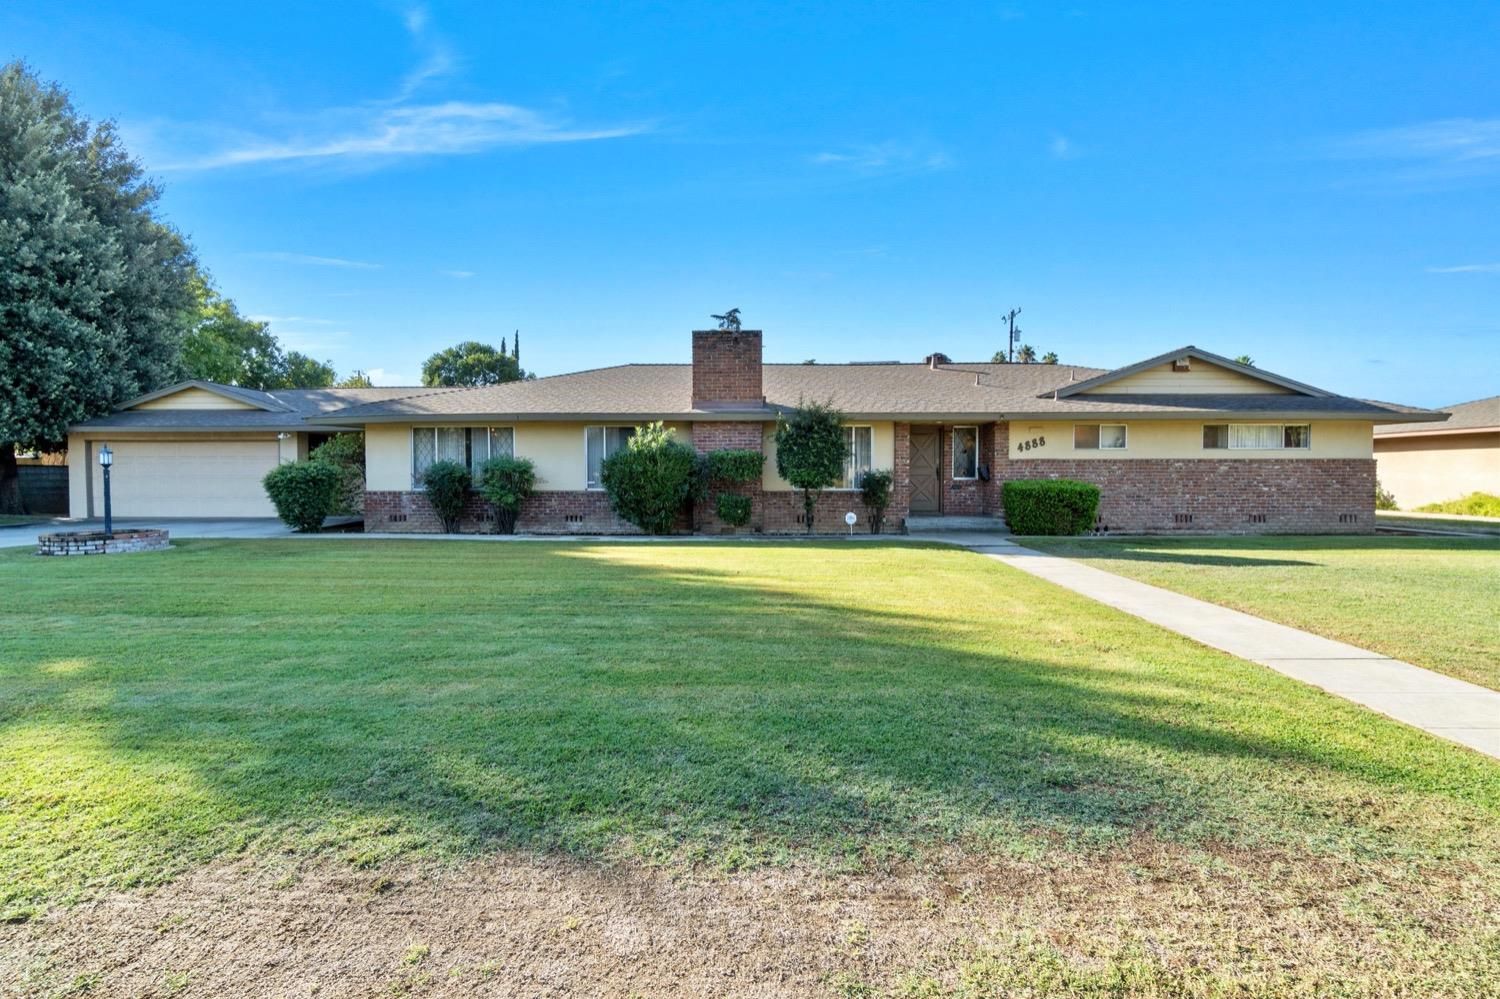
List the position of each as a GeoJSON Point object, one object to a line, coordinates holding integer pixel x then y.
{"type": "Point", "coordinates": [951, 391]}
{"type": "Point", "coordinates": [1466, 417]}
{"type": "Point", "coordinates": [281, 410]}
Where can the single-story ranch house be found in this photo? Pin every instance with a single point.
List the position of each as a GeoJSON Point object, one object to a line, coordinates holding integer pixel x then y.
{"type": "Point", "coordinates": [1185, 441]}
{"type": "Point", "coordinates": [1432, 462]}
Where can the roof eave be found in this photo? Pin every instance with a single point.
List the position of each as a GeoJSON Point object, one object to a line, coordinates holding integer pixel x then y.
{"type": "Point", "coordinates": [1073, 388]}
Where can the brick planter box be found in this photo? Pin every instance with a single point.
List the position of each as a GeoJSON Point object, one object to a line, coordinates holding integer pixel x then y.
{"type": "Point", "coordinates": [95, 543]}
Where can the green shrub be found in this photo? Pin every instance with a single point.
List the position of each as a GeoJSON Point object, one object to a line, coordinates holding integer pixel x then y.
{"type": "Point", "coordinates": [448, 484]}
{"type": "Point", "coordinates": [875, 490]}
{"type": "Point", "coordinates": [1384, 498]}
{"type": "Point", "coordinates": [506, 483]}
{"type": "Point", "coordinates": [1050, 506]}
{"type": "Point", "coordinates": [737, 465]}
{"type": "Point", "coordinates": [1472, 505]}
{"type": "Point", "coordinates": [346, 452]}
{"type": "Point", "coordinates": [733, 509]}
{"type": "Point", "coordinates": [649, 482]}
{"type": "Point", "coordinates": [811, 451]}
{"type": "Point", "coordinates": [304, 493]}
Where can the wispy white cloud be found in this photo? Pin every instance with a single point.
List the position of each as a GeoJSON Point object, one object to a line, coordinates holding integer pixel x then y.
{"type": "Point", "coordinates": [1450, 149]}
{"type": "Point", "coordinates": [376, 133]}
{"type": "Point", "coordinates": [886, 157]}
{"type": "Point", "coordinates": [458, 274]}
{"type": "Point", "coordinates": [304, 258]}
{"type": "Point", "coordinates": [383, 377]}
{"type": "Point", "coordinates": [383, 130]}
{"type": "Point", "coordinates": [1466, 269]}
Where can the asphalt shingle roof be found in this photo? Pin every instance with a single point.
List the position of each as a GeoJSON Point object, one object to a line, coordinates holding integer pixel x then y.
{"type": "Point", "coordinates": [285, 409]}
{"type": "Point", "coordinates": [979, 390]}
{"type": "Point", "coordinates": [1464, 416]}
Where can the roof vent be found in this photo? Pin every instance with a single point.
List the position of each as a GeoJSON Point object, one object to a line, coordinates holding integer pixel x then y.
{"type": "Point", "coordinates": [1182, 364]}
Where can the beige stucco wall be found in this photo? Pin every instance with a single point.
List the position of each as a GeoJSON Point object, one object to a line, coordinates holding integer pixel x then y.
{"type": "Point", "coordinates": [882, 452]}
{"type": "Point", "coordinates": [1184, 439]}
{"type": "Point", "coordinates": [1422, 470]}
{"type": "Point", "coordinates": [1202, 378]}
{"type": "Point", "coordinates": [194, 398]}
{"type": "Point", "coordinates": [556, 449]}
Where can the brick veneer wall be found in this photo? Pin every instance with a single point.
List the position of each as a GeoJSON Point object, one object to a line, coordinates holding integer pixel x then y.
{"type": "Point", "coordinates": [714, 435]}
{"type": "Point", "coordinates": [148, 539]}
{"type": "Point", "coordinates": [584, 512]}
{"type": "Point", "coordinates": [1218, 495]}
{"type": "Point", "coordinates": [727, 367]}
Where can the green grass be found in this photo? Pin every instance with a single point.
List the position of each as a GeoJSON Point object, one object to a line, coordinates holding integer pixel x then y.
{"type": "Point", "coordinates": [22, 519]}
{"type": "Point", "coordinates": [1396, 519]}
{"type": "Point", "coordinates": [1472, 505]}
{"type": "Point", "coordinates": [1428, 600]}
{"type": "Point", "coordinates": [710, 706]}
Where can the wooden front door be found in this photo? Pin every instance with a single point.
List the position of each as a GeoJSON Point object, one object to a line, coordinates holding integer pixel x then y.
{"type": "Point", "coordinates": [926, 456]}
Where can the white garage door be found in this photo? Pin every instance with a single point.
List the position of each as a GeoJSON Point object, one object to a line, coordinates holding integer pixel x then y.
{"type": "Point", "coordinates": [186, 478]}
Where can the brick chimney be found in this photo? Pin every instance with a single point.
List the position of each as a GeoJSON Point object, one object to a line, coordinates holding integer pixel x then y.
{"type": "Point", "coordinates": [726, 370]}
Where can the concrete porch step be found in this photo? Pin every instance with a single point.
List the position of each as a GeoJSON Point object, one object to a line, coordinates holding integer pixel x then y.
{"type": "Point", "coordinates": [915, 523]}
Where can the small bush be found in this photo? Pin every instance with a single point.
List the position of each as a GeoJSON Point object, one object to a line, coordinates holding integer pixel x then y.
{"type": "Point", "coordinates": [650, 481]}
{"type": "Point", "coordinates": [875, 489]}
{"type": "Point", "coordinates": [506, 483]}
{"type": "Point", "coordinates": [304, 493]}
{"type": "Point", "coordinates": [733, 509]}
{"type": "Point", "coordinates": [346, 452]}
{"type": "Point", "coordinates": [1384, 498]}
{"type": "Point", "coordinates": [1472, 505]}
{"type": "Point", "coordinates": [1050, 506]}
{"type": "Point", "coordinates": [734, 465]}
{"type": "Point", "coordinates": [448, 484]}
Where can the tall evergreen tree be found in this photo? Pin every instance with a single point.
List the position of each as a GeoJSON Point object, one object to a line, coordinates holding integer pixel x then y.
{"type": "Point", "coordinates": [95, 289]}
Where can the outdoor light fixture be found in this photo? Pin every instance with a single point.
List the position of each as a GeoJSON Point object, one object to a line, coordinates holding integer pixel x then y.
{"type": "Point", "coordinates": [106, 459]}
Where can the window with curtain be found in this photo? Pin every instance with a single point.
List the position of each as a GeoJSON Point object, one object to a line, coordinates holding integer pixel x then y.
{"type": "Point", "coordinates": [469, 446]}
{"type": "Point", "coordinates": [861, 443]}
{"type": "Point", "coordinates": [1099, 436]}
{"type": "Point", "coordinates": [600, 443]}
{"type": "Point", "coordinates": [1257, 436]}
{"type": "Point", "coordinates": [965, 452]}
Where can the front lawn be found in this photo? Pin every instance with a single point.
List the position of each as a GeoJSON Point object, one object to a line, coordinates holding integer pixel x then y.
{"type": "Point", "coordinates": [838, 713]}
{"type": "Point", "coordinates": [1431, 601]}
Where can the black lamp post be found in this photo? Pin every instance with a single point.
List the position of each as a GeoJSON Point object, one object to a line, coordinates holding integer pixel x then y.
{"type": "Point", "coordinates": [106, 459]}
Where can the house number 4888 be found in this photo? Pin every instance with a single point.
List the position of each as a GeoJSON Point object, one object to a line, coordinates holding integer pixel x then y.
{"type": "Point", "coordinates": [1032, 443]}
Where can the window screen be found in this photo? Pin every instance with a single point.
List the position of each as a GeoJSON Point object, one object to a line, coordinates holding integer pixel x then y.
{"type": "Point", "coordinates": [860, 442]}
{"type": "Point", "coordinates": [965, 452]}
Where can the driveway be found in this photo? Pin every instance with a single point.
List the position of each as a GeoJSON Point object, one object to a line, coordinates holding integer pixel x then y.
{"type": "Point", "coordinates": [248, 527]}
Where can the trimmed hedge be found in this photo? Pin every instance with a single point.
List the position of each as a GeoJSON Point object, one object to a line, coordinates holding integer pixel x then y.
{"type": "Point", "coordinates": [346, 452]}
{"type": "Point", "coordinates": [304, 493]}
{"type": "Point", "coordinates": [1050, 506]}
{"type": "Point", "coordinates": [650, 480]}
{"type": "Point", "coordinates": [734, 465]}
{"type": "Point", "coordinates": [506, 483]}
{"type": "Point", "coordinates": [733, 509]}
{"type": "Point", "coordinates": [448, 484]}
{"type": "Point", "coordinates": [875, 489]}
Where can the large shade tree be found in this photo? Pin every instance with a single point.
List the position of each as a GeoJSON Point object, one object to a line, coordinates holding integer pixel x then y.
{"type": "Point", "coordinates": [95, 289]}
{"type": "Point", "coordinates": [472, 363]}
{"type": "Point", "coordinates": [224, 346]}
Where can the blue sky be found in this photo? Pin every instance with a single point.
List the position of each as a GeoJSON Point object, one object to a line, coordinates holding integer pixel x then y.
{"type": "Point", "coordinates": [1317, 185]}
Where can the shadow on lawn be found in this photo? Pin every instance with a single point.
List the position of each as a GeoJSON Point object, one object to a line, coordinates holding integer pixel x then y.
{"type": "Point", "coordinates": [1269, 551]}
{"type": "Point", "coordinates": [585, 699]}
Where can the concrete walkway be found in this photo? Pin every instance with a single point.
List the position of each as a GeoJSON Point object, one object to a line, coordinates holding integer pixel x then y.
{"type": "Point", "coordinates": [1462, 712]}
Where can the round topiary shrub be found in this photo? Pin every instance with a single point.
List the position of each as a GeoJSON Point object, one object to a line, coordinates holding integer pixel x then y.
{"type": "Point", "coordinates": [733, 508]}
{"type": "Point", "coordinates": [304, 493]}
{"type": "Point", "coordinates": [346, 452]}
{"type": "Point", "coordinates": [448, 484]}
{"type": "Point", "coordinates": [1050, 506]}
{"type": "Point", "coordinates": [506, 483]}
{"type": "Point", "coordinates": [650, 480]}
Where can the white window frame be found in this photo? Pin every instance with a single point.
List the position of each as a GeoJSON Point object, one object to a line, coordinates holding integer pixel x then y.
{"type": "Point", "coordinates": [1124, 431]}
{"type": "Point", "coordinates": [469, 430]}
{"type": "Point", "coordinates": [604, 429]}
{"type": "Point", "coordinates": [953, 451]}
{"type": "Point", "coordinates": [850, 480]}
{"type": "Point", "coordinates": [1280, 445]}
